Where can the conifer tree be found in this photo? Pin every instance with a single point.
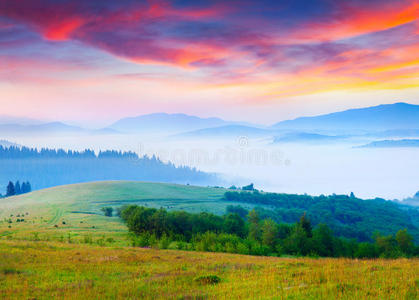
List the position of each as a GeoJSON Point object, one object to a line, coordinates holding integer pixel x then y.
{"type": "Point", "coordinates": [18, 190]}
{"type": "Point", "coordinates": [10, 189]}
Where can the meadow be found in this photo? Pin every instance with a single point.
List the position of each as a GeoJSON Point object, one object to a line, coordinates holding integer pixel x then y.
{"type": "Point", "coordinates": [67, 249]}
{"type": "Point", "coordinates": [51, 270]}
{"type": "Point", "coordinates": [75, 210]}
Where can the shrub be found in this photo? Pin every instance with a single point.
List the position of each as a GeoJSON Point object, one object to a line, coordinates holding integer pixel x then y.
{"type": "Point", "coordinates": [10, 271]}
{"type": "Point", "coordinates": [108, 211]}
{"type": "Point", "coordinates": [164, 242]}
{"type": "Point", "coordinates": [88, 239]}
{"type": "Point", "coordinates": [208, 279]}
{"type": "Point", "coordinates": [142, 240]}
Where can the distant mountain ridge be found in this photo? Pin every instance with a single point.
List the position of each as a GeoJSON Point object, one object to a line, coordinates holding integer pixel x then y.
{"type": "Point", "coordinates": [405, 143]}
{"type": "Point", "coordinates": [4, 119]}
{"type": "Point", "coordinates": [305, 137]}
{"type": "Point", "coordinates": [49, 128]}
{"type": "Point", "coordinates": [385, 121]}
{"type": "Point", "coordinates": [170, 123]}
{"type": "Point", "coordinates": [227, 131]}
{"type": "Point", "coordinates": [376, 118]}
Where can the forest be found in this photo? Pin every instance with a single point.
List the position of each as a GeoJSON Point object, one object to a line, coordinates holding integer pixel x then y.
{"type": "Point", "coordinates": [50, 167]}
{"type": "Point", "coordinates": [347, 216]}
{"type": "Point", "coordinates": [233, 233]}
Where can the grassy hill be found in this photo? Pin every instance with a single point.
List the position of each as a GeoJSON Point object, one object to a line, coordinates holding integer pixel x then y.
{"type": "Point", "coordinates": [76, 209]}
{"type": "Point", "coordinates": [79, 206]}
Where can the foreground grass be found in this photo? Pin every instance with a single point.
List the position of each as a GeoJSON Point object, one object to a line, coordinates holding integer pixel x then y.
{"type": "Point", "coordinates": [51, 270]}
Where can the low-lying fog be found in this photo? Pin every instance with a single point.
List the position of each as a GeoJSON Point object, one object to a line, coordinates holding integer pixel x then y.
{"type": "Point", "coordinates": [292, 168]}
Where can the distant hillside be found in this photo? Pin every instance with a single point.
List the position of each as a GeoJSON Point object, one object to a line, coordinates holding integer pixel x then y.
{"type": "Point", "coordinates": [162, 122]}
{"type": "Point", "coordinates": [18, 120]}
{"type": "Point", "coordinates": [228, 131]}
{"type": "Point", "coordinates": [304, 137]}
{"type": "Point", "coordinates": [377, 118]}
{"type": "Point", "coordinates": [47, 127]}
{"type": "Point", "coordinates": [396, 133]}
{"type": "Point", "coordinates": [406, 143]}
{"type": "Point", "coordinates": [48, 168]}
{"type": "Point", "coordinates": [412, 201]}
{"type": "Point", "coordinates": [53, 128]}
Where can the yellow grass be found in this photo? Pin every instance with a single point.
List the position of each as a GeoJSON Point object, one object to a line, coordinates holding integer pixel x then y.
{"type": "Point", "coordinates": [52, 270]}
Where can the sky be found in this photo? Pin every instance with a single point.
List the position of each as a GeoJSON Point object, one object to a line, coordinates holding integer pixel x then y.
{"type": "Point", "coordinates": [93, 62]}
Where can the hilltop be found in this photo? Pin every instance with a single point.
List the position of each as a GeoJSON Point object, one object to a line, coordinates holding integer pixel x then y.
{"type": "Point", "coordinates": [79, 206]}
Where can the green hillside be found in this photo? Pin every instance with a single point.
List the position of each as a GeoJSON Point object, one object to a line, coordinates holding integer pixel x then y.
{"type": "Point", "coordinates": [79, 206]}
{"type": "Point", "coordinates": [76, 209]}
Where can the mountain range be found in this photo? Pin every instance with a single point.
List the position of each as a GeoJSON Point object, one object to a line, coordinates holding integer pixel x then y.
{"type": "Point", "coordinates": [168, 123]}
{"type": "Point", "coordinates": [404, 143]}
{"type": "Point", "coordinates": [377, 118]}
{"type": "Point", "coordinates": [5, 119]}
{"type": "Point", "coordinates": [49, 129]}
{"type": "Point", "coordinates": [228, 131]}
{"type": "Point", "coordinates": [389, 120]}
{"type": "Point", "coordinates": [307, 138]}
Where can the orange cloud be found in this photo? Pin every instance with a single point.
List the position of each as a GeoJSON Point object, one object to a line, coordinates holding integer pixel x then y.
{"type": "Point", "coordinates": [63, 30]}
{"type": "Point", "coordinates": [357, 21]}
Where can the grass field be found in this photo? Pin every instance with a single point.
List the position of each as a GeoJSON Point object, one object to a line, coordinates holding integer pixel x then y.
{"type": "Point", "coordinates": [78, 206]}
{"type": "Point", "coordinates": [51, 270]}
{"type": "Point", "coordinates": [66, 249]}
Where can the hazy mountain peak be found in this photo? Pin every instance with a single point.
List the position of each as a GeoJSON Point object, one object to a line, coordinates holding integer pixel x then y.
{"type": "Point", "coordinates": [399, 115]}
{"type": "Point", "coordinates": [5, 119]}
{"type": "Point", "coordinates": [165, 122]}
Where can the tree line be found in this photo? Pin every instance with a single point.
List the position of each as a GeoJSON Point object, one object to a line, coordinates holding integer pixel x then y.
{"type": "Point", "coordinates": [14, 189]}
{"type": "Point", "coordinates": [14, 152]}
{"type": "Point", "coordinates": [251, 235]}
{"type": "Point", "coordinates": [50, 167]}
{"type": "Point", "coordinates": [347, 215]}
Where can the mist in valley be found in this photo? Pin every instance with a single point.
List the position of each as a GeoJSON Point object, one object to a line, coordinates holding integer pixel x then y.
{"type": "Point", "coordinates": [319, 168]}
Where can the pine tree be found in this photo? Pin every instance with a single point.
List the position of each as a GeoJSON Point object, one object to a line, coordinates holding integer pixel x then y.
{"type": "Point", "coordinates": [28, 187]}
{"type": "Point", "coordinates": [18, 190]}
{"type": "Point", "coordinates": [10, 189]}
{"type": "Point", "coordinates": [23, 188]}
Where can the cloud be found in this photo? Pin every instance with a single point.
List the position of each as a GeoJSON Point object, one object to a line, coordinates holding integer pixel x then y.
{"type": "Point", "coordinates": [283, 47]}
{"type": "Point", "coordinates": [350, 20]}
